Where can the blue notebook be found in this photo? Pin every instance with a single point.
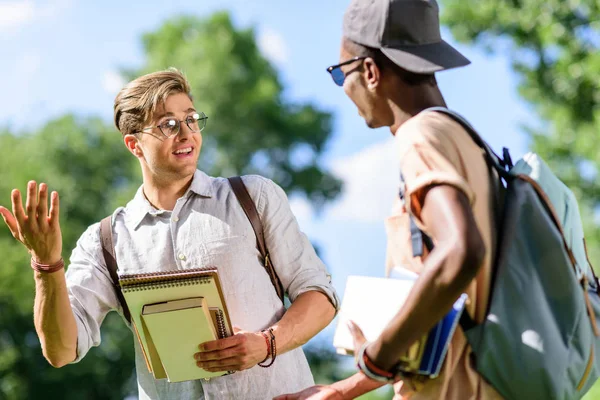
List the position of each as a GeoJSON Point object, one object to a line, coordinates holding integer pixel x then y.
{"type": "Point", "coordinates": [439, 338]}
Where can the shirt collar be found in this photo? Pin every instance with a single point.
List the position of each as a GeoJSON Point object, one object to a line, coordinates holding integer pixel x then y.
{"type": "Point", "coordinates": [139, 206]}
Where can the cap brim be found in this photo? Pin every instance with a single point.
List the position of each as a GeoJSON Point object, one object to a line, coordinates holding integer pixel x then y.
{"type": "Point", "coordinates": [426, 59]}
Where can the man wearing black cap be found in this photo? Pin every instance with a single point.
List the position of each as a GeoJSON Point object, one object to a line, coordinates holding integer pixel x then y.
{"type": "Point", "coordinates": [390, 51]}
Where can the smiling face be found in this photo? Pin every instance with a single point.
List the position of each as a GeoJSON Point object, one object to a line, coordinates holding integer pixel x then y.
{"type": "Point", "coordinates": [162, 158]}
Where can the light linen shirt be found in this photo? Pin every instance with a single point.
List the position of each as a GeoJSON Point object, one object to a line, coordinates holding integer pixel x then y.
{"type": "Point", "coordinates": [207, 227]}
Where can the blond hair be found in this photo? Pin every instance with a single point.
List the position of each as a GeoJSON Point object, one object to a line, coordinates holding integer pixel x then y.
{"type": "Point", "coordinates": [138, 100]}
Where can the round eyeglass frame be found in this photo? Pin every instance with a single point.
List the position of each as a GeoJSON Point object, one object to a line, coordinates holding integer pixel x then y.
{"type": "Point", "coordinates": [201, 117]}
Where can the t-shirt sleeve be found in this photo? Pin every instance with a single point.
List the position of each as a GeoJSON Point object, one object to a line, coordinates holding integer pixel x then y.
{"type": "Point", "coordinates": [430, 157]}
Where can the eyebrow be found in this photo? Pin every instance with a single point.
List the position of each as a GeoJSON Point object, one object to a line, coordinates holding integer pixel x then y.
{"type": "Point", "coordinates": [170, 114]}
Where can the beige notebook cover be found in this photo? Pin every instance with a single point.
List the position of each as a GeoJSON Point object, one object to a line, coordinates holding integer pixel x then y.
{"type": "Point", "coordinates": [144, 289]}
{"type": "Point", "coordinates": [371, 303]}
{"type": "Point", "coordinates": [176, 328]}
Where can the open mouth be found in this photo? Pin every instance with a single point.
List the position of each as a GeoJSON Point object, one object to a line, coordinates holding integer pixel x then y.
{"type": "Point", "coordinates": [183, 151]}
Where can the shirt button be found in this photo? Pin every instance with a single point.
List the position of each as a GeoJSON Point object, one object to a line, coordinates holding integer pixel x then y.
{"type": "Point", "coordinates": [182, 256]}
{"type": "Point", "coordinates": [175, 219]}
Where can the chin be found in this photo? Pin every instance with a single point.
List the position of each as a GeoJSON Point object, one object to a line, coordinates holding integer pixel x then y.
{"type": "Point", "coordinates": [373, 124]}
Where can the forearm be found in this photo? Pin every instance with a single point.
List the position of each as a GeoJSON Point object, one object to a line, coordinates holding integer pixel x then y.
{"type": "Point", "coordinates": [446, 274]}
{"type": "Point", "coordinates": [356, 385]}
{"type": "Point", "coordinates": [308, 315]}
{"type": "Point", "coordinates": [54, 319]}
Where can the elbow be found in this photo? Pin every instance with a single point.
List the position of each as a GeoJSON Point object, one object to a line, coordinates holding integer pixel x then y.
{"type": "Point", "coordinates": [59, 359]}
{"type": "Point", "coordinates": [465, 254]}
{"type": "Point", "coordinates": [56, 362]}
{"type": "Point", "coordinates": [470, 252]}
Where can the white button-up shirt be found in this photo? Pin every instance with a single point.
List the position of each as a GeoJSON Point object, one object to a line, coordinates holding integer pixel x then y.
{"type": "Point", "coordinates": [206, 227]}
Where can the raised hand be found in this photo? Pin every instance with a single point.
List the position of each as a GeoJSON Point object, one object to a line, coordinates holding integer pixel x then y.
{"type": "Point", "coordinates": [35, 226]}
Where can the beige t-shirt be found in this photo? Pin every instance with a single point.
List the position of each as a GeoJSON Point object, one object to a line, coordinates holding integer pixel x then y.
{"type": "Point", "coordinates": [436, 150]}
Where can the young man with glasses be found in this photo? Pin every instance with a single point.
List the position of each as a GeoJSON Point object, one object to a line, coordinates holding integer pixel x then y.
{"type": "Point", "coordinates": [390, 51]}
{"type": "Point", "coordinates": [180, 218]}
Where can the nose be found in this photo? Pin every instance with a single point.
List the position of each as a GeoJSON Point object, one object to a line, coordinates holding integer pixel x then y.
{"type": "Point", "coordinates": [184, 132]}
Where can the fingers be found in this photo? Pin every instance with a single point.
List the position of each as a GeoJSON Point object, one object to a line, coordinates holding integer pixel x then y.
{"type": "Point", "coordinates": [10, 221]}
{"type": "Point", "coordinates": [17, 208]}
{"type": "Point", "coordinates": [226, 364]}
{"type": "Point", "coordinates": [54, 209]}
{"type": "Point", "coordinates": [31, 202]}
{"type": "Point", "coordinates": [220, 354]}
{"type": "Point", "coordinates": [222, 344]}
{"type": "Point", "coordinates": [357, 334]}
{"type": "Point", "coordinates": [42, 206]}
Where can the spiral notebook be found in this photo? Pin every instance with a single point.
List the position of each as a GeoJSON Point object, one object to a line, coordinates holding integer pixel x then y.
{"type": "Point", "coordinates": [149, 289]}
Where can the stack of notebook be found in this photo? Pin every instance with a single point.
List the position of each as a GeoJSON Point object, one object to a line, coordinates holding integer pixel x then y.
{"type": "Point", "coordinates": [372, 303]}
{"type": "Point", "coordinates": [172, 313]}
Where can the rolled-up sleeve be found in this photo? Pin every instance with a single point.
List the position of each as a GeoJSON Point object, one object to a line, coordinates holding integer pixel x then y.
{"type": "Point", "coordinates": [294, 258]}
{"type": "Point", "coordinates": [90, 290]}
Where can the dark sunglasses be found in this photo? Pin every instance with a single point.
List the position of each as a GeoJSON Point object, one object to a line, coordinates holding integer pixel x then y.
{"type": "Point", "coordinates": [336, 72]}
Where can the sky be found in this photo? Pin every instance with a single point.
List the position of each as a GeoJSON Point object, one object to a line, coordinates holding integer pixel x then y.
{"type": "Point", "coordinates": [62, 56]}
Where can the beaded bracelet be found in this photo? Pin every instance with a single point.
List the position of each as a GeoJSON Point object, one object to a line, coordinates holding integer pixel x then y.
{"type": "Point", "coordinates": [47, 268]}
{"type": "Point", "coordinates": [272, 348]}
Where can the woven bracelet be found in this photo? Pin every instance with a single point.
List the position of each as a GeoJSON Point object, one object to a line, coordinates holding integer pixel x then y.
{"type": "Point", "coordinates": [47, 268]}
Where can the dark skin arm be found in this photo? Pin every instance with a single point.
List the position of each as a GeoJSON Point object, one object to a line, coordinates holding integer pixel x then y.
{"type": "Point", "coordinates": [449, 268]}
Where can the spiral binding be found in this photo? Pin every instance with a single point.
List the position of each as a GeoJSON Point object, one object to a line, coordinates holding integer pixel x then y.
{"type": "Point", "coordinates": [164, 276]}
{"type": "Point", "coordinates": [165, 284]}
{"type": "Point", "coordinates": [221, 328]}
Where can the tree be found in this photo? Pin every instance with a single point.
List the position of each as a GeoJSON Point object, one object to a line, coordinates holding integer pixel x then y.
{"type": "Point", "coordinates": [251, 129]}
{"type": "Point", "coordinates": [553, 45]}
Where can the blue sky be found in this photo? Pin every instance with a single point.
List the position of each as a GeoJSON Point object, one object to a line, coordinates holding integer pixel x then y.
{"type": "Point", "coordinates": [63, 55]}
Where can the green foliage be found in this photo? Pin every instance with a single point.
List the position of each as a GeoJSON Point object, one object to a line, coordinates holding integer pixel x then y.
{"type": "Point", "coordinates": [553, 47]}
{"type": "Point", "coordinates": [87, 163]}
{"type": "Point", "coordinates": [251, 129]}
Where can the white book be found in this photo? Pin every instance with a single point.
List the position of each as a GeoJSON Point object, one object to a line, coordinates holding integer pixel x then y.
{"type": "Point", "coordinates": [373, 302]}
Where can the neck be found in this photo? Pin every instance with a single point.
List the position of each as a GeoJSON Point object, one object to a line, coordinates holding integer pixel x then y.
{"type": "Point", "coordinates": [405, 104]}
{"type": "Point", "coordinates": [164, 193]}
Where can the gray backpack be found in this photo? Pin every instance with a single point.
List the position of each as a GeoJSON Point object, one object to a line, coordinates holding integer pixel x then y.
{"type": "Point", "coordinates": [539, 339]}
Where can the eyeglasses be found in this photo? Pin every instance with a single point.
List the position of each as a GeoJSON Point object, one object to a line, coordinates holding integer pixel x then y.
{"type": "Point", "coordinates": [171, 126]}
{"type": "Point", "coordinates": [336, 72]}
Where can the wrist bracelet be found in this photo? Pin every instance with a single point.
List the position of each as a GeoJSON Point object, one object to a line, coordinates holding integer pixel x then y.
{"type": "Point", "coordinates": [47, 268]}
{"type": "Point", "coordinates": [268, 346]}
{"type": "Point", "coordinates": [366, 366]}
{"type": "Point", "coordinates": [272, 347]}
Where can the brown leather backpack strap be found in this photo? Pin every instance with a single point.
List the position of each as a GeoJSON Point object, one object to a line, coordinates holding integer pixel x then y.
{"type": "Point", "coordinates": [108, 249]}
{"type": "Point", "coordinates": [241, 192]}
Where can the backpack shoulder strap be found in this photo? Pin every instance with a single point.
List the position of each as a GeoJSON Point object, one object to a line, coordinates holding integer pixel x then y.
{"type": "Point", "coordinates": [500, 164]}
{"type": "Point", "coordinates": [241, 192]}
{"type": "Point", "coordinates": [108, 250]}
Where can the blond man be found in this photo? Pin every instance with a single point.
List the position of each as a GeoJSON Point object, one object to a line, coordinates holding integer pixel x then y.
{"type": "Point", "coordinates": [180, 218]}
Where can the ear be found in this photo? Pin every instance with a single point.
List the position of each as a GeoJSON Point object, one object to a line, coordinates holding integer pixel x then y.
{"type": "Point", "coordinates": [133, 145]}
{"type": "Point", "coordinates": [372, 73]}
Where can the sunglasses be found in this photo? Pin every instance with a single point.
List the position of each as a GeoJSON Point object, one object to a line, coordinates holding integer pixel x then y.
{"type": "Point", "coordinates": [336, 72]}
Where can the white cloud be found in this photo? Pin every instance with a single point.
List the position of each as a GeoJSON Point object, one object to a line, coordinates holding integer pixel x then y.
{"type": "Point", "coordinates": [112, 82]}
{"type": "Point", "coordinates": [28, 64]}
{"type": "Point", "coordinates": [15, 14]}
{"type": "Point", "coordinates": [371, 180]}
{"type": "Point", "coordinates": [301, 208]}
{"type": "Point", "coordinates": [272, 45]}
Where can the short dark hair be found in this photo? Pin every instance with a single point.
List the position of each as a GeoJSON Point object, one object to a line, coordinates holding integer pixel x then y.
{"type": "Point", "coordinates": [383, 62]}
